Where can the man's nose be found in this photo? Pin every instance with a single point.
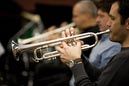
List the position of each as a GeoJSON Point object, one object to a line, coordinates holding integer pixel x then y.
{"type": "Point", "coordinates": [108, 24]}
{"type": "Point", "coordinates": [97, 20]}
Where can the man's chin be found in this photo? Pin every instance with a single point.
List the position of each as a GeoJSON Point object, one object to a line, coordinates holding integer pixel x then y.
{"type": "Point", "coordinates": [111, 38]}
{"type": "Point", "coordinates": [101, 29]}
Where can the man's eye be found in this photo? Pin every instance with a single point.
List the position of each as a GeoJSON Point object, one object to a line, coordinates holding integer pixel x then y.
{"type": "Point", "coordinates": [112, 17]}
{"type": "Point", "coordinates": [100, 16]}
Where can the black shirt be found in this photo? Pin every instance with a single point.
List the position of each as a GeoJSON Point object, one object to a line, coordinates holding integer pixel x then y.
{"type": "Point", "coordinates": [114, 74]}
{"type": "Point", "coordinates": [90, 40]}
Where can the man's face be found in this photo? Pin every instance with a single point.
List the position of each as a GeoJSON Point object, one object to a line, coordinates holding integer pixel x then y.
{"type": "Point", "coordinates": [118, 33]}
{"type": "Point", "coordinates": [80, 18]}
{"type": "Point", "coordinates": [102, 20]}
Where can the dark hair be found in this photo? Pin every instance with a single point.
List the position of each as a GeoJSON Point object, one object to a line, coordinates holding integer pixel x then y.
{"type": "Point", "coordinates": [123, 10]}
{"type": "Point", "coordinates": [104, 5]}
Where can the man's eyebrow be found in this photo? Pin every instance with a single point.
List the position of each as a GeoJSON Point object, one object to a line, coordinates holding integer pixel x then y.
{"type": "Point", "coordinates": [111, 16]}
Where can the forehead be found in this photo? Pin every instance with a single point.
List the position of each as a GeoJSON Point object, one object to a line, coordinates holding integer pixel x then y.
{"type": "Point", "coordinates": [114, 9]}
{"type": "Point", "coordinates": [102, 12]}
{"type": "Point", "coordinates": [76, 7]}
{"type": "Point", "coordinates": [80, 8]}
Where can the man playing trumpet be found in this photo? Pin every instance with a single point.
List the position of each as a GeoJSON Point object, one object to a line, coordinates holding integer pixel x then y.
{"type": "Point", "coordinates": [116, 72]}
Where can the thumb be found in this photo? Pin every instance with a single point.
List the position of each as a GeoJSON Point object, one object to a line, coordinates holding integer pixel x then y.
{"type": "Point", "coordinates": [79, 43]}
{"type": "Point", "coordinates": [64, 45]}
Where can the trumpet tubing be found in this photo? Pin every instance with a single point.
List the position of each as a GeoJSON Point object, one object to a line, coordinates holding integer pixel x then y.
{"type": "Point", "coordinates": [22, 48]}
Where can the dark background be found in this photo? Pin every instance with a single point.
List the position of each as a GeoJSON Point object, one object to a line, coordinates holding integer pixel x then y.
{"type": "Point", "coordinates": [52, 12]}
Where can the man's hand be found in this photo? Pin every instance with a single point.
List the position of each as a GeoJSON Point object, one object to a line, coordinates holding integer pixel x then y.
{"type": "Point", "coordinates": [69, 51]}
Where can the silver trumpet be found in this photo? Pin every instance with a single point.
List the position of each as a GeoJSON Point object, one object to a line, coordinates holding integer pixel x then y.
{"type": "Point", "coordinates": [19, 48]}
{"type": "Point", "coordinates": [44, 35]}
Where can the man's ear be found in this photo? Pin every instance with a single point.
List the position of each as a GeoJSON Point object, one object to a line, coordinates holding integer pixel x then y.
{"type": "Point", "coordinates": [127, 24]}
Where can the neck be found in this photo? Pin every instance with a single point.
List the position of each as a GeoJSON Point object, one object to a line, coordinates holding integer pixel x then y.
{"type": "Point", "coordinates": [91, 23]}
{"type": "Point", "coordinates": [126, 43]}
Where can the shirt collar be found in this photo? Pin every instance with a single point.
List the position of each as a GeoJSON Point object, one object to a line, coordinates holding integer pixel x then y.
{"type": "Point", "coordinates": [104, 37]}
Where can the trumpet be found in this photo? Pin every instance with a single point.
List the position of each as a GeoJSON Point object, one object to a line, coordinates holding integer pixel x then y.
{"type": "Point", "coordinates": [44, 35]}
{"type": "Point", "coordinates": [18, 48]}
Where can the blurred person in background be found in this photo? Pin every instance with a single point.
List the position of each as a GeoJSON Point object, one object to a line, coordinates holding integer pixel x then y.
{"type": "Point", "coordinates": [84, 17]}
